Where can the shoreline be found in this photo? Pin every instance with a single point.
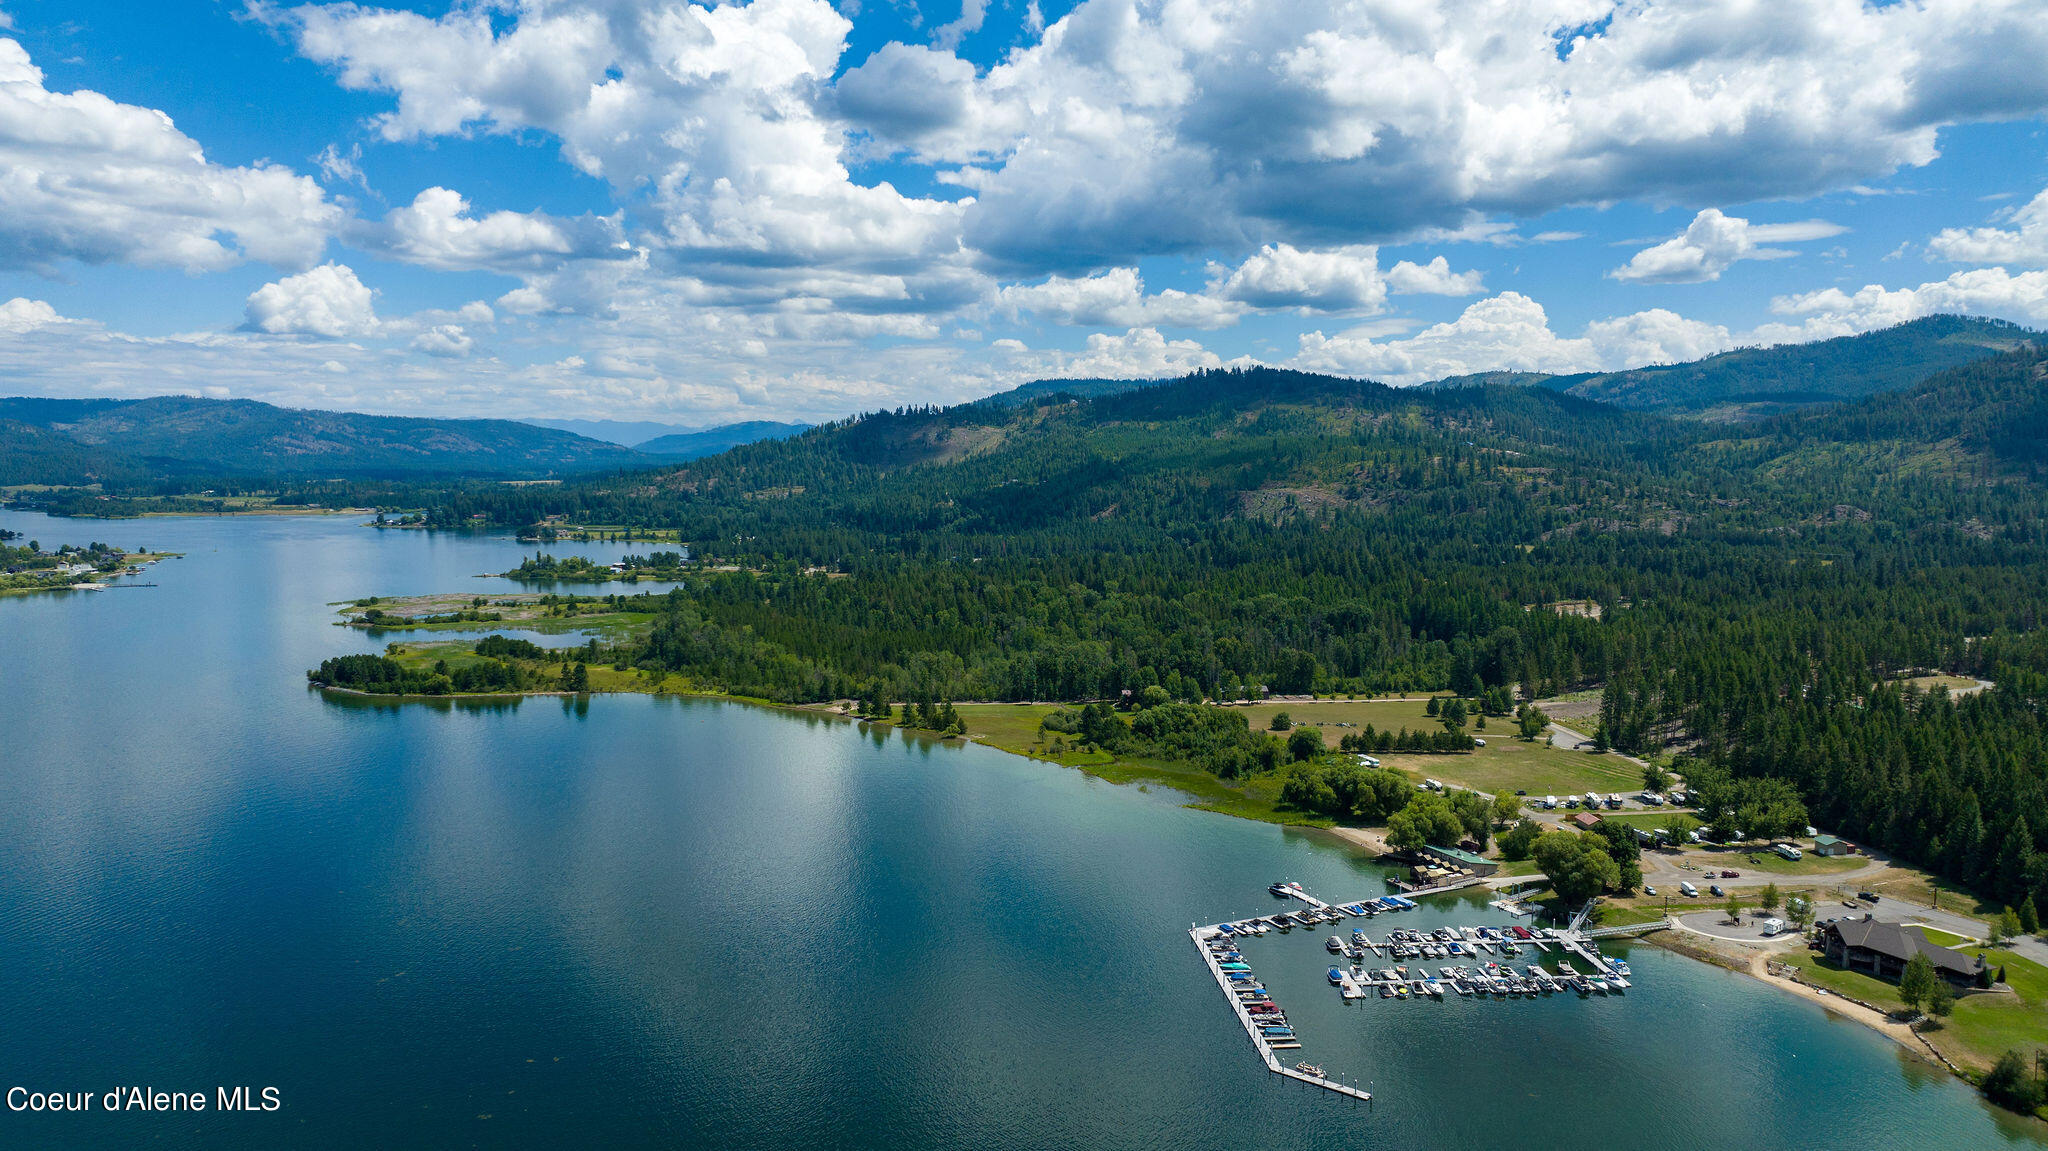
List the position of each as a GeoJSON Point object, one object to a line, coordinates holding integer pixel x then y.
{"type": "Point", "coordinates": [1751, 963]}
{"type": "Point", "coordinates": [1755, 963]}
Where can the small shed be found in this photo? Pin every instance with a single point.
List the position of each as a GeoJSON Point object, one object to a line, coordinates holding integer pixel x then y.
{"type": "Point", "coordinates": [1584, 820]}
{"type": "Point", "coordinates": [1831, 845]}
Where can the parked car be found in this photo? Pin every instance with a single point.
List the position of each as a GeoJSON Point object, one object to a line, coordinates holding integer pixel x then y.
{"type": "Point", "coordinates": [1715, 889]}
{"type": "Point", "coordinates": [1477, 742]}
{"type": "Point", "coordinates": [1848, 903]}
{"type": "Point", "coordinates": [1688, 890]}
{"type": "Point", "coordinates": [1731, 875]}
{"type": "Point", "coordinates": [1521, 791]}
{"type": "Point", "coordinates": [1867, 895]}
{"type": "Point", "coordinates": [1649, 890]}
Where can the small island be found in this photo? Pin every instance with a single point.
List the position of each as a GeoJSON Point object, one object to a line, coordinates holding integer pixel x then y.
{"type": "Point", "coordinates": [660, 565]}
{"type": "Point", "coordinates": [28, 568]}
{"type": "Point", "coordinates": [541, 612]}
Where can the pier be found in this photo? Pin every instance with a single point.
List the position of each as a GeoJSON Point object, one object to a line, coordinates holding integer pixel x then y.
{"type": "Point", "coordinates": [1267, 1026]}
{"type": "Point", "coordinates": [1202, 937]}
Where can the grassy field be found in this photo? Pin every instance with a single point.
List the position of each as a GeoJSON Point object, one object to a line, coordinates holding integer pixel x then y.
{"type": "Point", "coordinates": [1930, 682]}
{"type": "Point", "coordinates": [1984, 1025]}
{"type": "Point", "coordinates": [1919, 890]}
{"type": "Point", "coordinates": [1771, 863]}
{"type": "Point", "coordinates": [1651, 820]}
{"type": "Point", "coordinates": [1013, 727]}
{"type": "Point", "coordinates": [520, 612]}
{"type": "Point", "coordinates": [1505, 764]}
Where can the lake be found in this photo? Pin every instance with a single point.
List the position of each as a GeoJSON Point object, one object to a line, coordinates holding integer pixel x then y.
{"type": "Point", "coordinates": [641, 922]}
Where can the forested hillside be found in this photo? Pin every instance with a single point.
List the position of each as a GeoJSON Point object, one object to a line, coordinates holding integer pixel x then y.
{"type": "Point", "coordinates": [1745, 595]}
{"type": "Point", "coordinates": [129, 441]}
{"type": "Point", "coordinates": [1760, 380]}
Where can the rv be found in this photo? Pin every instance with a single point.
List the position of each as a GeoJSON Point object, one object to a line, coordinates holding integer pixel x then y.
{"type": "Point", "coordinates": [1773, 926]}
{"type": "Point", "coordinates": [1592, 799]}
{"type": "Point", "coordinates": [1613, 802]}
{"type": "Point", "coordinates": [1787, 851]}
{"type": "Point", "coordinates": [1690, 891]}
{"type": "Point", "coordinates": [1432, 785]}
{"type": "Point", "coordinates": [1550, 803]}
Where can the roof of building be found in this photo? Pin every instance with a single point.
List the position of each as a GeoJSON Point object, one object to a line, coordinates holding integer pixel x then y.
{"type": "Point", "coordinates": [1464, 857]}
{"type": "Point", "coordinates": [1825, 840]}
{"type": "Point", "coordinates": [1585, 819]}
{"type": "Point", "coordinates": [1901, 941]}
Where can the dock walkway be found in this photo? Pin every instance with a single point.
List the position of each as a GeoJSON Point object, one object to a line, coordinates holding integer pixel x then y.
{"type": "Point", "coordinates": [1202, 936]}
{"type": "Point", "coordinates": [1574, 940]}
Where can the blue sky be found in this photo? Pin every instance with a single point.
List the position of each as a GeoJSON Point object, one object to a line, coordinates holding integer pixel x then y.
{"type": "Point", "coordinates": [641, 209]}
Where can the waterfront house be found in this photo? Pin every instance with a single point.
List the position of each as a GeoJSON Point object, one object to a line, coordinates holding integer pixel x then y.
{"type": "Point", "coordinates": [1870, 944]}
{"type": "Point", "coordinates": [1830, 845]}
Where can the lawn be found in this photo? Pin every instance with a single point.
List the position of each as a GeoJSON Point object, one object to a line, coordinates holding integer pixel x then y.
{"type": "Point", "coordinates": [1652, 820]}
{"type": "Point", "coordinates": [1771, 863]}
{"type": "Point", "coordinates": [1944, 938]}
{"type": "Point", "coordinates": [1013, 727]}
{"type": "Point", "coordinates": [1385, 714]}
{"type": "Point", "coordinates": [1507, 764]}
{"type": "Point", "coordinates": [1503, 765]}
{"type": "Point", "coordinates": [1985, 1024]}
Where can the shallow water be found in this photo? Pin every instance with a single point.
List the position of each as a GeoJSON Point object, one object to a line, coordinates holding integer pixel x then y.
{"type": "Point", "coordinates": [658, 922]}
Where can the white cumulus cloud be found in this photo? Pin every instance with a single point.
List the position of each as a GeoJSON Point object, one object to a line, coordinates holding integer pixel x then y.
{"type": "Point", "coordinates": [83, 177]}
{"type": "Point", "coordinates": [444, 340]}
{"type": "Point", "coordinates": [2025, 243]}
{"type": "Point", "coordinates": [1433, 279]}
{"type": "Point", "coordinates": [1116, 298]}
{"type": "Point", "coordinates": [1980, 291]}
{"type": "Point", "coordinates": [1712, 243]}
{"type": "Point", "coordinates": [325, 301]}
{"type": "Point", "coordinates": [1345, 279]}
{"type": "Point", "coordinates": [438, 230]}
{"type": "Point", "coordinates": [1511, 332]}
{"type": "Point", "coordinates": [21, 315]}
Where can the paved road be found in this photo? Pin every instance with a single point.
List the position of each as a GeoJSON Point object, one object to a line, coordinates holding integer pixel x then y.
{"type": "Point", "coordinates": [1750, 930]}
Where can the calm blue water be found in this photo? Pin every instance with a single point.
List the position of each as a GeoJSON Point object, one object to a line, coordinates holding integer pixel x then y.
{"type": "Point", "coordinates": [655, 922]}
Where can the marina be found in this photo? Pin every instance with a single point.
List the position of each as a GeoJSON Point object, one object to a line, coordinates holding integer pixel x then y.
{"type": "Point", "coordinates": [1475, 962]}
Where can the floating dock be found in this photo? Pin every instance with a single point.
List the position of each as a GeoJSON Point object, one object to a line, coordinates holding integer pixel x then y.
{"type": "Point", "coordinates": [1202, 937]}
{"type": "Point", "coordinates": [1570, 941]}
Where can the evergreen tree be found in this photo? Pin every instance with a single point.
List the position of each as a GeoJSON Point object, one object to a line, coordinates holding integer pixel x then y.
{"type": "Point", "coordinates": [1941, 999]}
{"type": "Point", "coordinates": [1917, 983]}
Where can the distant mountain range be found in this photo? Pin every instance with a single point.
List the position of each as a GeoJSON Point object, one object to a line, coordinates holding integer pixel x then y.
{"type": "Point", "coordinates": [1749, 382]}
{"type": "Point", "coordinates": [625, 433]}
{"type": "Point", "coordinates": [45, 441]}
{"type": "Point", "coordinates": [711, 441]}
{"type": "Point", "coordinates": [83, 441]}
